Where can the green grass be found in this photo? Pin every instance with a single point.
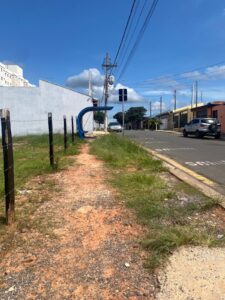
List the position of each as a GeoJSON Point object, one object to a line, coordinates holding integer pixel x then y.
{"type": "Point", "coordinates": [31, 158]}
{"type": "Point", "coordinates": [119, 153]}
{"type": "Point", "coordinates": [136, 176]}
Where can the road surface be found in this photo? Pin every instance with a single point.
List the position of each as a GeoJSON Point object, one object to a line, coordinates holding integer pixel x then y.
{"type": "Point", "coordinates": [205, 156]}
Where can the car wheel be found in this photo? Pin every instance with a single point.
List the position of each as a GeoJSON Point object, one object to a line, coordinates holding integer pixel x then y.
{"type": "Point", "coordinates": [198, 134]}
{"type": "Point", "coordinates": [185, 134]}
{"type": "Point", "coordinates": [217, 136]}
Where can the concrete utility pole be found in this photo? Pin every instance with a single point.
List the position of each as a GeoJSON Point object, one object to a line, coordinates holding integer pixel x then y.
{"type": "Point", "coordinates": [175, 99]}
{"type": "Point", "coordinates": [108, 66]}
{"type": "Point", "coordinates": [192, 95]}
{"type": "Point", "coordinates": [150, 113]}
{"type": "Point", "coordinates": [196, 91]}
{"type": "Point", "coordinates": [160, 105]}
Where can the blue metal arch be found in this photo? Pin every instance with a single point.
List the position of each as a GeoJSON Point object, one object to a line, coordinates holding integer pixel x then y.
{"type": "Point", "coordinates": [83, 112]}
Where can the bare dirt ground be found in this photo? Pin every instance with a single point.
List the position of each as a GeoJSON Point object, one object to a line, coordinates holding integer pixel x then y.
{"type": "Point", "coordinates": [84, 244]}
{"type": "Point", "coordinates": [194, 274]}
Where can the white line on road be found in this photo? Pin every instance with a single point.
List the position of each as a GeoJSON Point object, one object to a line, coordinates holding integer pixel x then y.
{"type": "Point", "coordinates": [173, 149]}
{"type": "Point", "coordinates": [205, 163]}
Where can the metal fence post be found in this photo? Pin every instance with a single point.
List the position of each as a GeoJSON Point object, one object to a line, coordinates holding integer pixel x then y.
{"type": "Point", "coordinates": [7, 145]}
{"type": "Point", "coordinates": [65, 132]}
{"type": "Point", "coordinates": [50, 136]}
{"type": "Point", "coordinates": [72, 132]}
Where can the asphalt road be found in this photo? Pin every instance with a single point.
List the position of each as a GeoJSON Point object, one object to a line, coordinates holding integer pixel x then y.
{"type": "Point", "coordinates": [205, 156]}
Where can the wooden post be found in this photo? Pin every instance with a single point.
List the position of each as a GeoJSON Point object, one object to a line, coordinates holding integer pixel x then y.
{"type": "Point", "coordinates": [65, 132]}
{"type": "Point", "coordinates": [7, 145]}
{"type": "Point", "coordinates": [72, 132]}
{"type": "Point", "coordinates": [50, 136]}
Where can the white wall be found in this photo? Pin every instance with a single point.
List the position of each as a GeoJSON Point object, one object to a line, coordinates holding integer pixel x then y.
{"type": "Point", "coordinates": [29, 107]}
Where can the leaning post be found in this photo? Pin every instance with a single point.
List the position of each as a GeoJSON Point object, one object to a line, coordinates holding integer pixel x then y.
{"type": "Point", "coordinates": [7, 146]}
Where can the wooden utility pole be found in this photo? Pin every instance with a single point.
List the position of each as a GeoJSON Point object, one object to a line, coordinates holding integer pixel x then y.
{"type": "Point", "coordinates": [150, 109]}
{"type": "Point", "coordinates": [108, 66]}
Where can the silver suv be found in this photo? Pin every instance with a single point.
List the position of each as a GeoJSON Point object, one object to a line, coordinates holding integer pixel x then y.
{"type": "Point", "coordinates": [201, 127]}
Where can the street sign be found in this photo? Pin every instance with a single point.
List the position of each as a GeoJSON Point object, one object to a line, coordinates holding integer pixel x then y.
{"type": "Point", "coordinates": [122, 95]}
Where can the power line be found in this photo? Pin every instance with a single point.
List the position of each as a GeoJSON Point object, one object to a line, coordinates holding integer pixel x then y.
{"type": "Point", "coordinates": [139, 36]}
{"type": "Point", "coordinates": [125, 30]}
{"type": "Point", "coordinates": [134, 31]}
{"type": "Point", "coordinates": [176, 76]}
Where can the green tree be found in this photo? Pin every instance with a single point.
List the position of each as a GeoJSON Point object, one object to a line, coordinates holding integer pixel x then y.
{"type": "Point", "coordinates": [153, 123]}
{"type": "Point", "coordinates": [135, 115]}
{"type": "Point", "coordinates": [119, 117]}
{"type": "Point", "coordinates": [99, 117]}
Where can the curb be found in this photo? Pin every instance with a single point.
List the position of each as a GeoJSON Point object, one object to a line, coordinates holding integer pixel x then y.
{"type": "Point", "coordinates": [201, 183]}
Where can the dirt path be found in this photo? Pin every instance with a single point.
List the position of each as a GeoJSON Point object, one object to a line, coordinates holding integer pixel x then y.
{"type": "Point", "coordinates": [94, 253]}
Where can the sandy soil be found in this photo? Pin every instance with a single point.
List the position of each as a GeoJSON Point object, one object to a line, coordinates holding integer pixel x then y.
{"type": "Point", "coordinates": [94, 253]}
{"type": "Point", "coordinates": [194, 274]}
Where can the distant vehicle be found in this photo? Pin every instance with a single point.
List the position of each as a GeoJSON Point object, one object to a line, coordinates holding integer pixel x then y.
{"type": "Point", "coordinates": [114, 126]}
{"type": "Point", "coordinates": [203, 126]}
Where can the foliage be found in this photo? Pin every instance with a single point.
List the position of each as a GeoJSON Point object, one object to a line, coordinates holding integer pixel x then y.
{"type": "Point", "coordinates": [99, 117]}
{"type": "Point", "coordinates": [169, 223]}
{"type": "Point", "coordinates": [153, 123]}
{"type": "Point", "coordinates": [31, 158]}
{"type": "Point", "coordinates": [134, 115]}
{"type": "Point", "coordinates": [119, 117]}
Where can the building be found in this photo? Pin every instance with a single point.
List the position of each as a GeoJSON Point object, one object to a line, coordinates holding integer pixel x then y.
{"type": "Point", "coordinates": [182, 116]}
{"type": "Point", "coordinates": [12, 75]}
{"type": "Point", "coordinates": [29, 107]}
{"type": "Point", "coordinates": [214, 109]}
{"type": "Point", "coordinates": [166, 120]}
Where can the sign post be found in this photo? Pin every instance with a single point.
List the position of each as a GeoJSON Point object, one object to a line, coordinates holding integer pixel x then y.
{"type": "Point", "coordinates": [122, 98]}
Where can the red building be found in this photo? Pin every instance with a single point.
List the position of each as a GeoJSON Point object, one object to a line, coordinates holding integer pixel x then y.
{"type": "Point", "coordinates": [214, 109]}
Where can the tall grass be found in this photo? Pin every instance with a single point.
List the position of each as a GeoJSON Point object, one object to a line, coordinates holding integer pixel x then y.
{"type": "Point", "coordinates": [31, 158]}
{"type": "Point", "coordinates": [136, 176]}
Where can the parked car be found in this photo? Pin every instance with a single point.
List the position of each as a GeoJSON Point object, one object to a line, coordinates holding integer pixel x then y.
{"type": "Point", "coordinates": [203, 126]}
{"type": "Point", "coordinates": [114, 126]}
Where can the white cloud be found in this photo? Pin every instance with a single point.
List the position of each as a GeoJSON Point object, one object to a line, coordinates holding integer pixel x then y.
{"type": "Point", "coordinates": [81, 80]}
{"type": "Point", "coordinates": [157, 92]}
{"type": "Point", "coordinates": [156, 106]}
{"type": "Point", "coordinates": [132, 95]}
{"type": "Point", "coordinates": [211, 73]}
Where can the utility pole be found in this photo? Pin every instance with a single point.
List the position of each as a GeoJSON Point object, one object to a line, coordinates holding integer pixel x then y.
{"type": "Point", "coordinates": [108, 66]}
{"type": "Point", "coordinates": [150, 113]}
{"type": "Point", "coordinates": [90, 93]}
{"type": "Point", "coordinates": [175, 99]}
{"type": "Point", "coordinates": [196, 91]}
{"type": "Point", "coordinates": [192, 94]}
{"type": "Point", "coordinates": [160, 105]}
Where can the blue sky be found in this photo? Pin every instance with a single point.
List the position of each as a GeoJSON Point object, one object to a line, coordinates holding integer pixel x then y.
{"type": "Point", "coordinates": [56, 40]}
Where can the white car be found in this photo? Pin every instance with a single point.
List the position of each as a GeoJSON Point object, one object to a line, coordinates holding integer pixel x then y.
{"type": "Point", "coordinates": [115, 126]}
{"type": "Point", "coordinates": [203, 126]}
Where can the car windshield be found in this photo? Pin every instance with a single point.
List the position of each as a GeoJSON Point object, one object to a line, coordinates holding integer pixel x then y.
{"type": "Point", "coordinates": [208, 121]}
{"type": "Point", "coordinates": [113, 124]}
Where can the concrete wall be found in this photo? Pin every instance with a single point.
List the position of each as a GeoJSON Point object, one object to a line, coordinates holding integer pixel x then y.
{"type": "Point", "coordinates": [29, 107]}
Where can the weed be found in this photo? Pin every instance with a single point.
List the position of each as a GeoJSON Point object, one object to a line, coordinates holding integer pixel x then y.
{"type": "Point", "coordinates": [135, 174]}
